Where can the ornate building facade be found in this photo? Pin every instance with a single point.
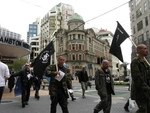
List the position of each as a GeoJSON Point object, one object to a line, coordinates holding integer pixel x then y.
{"type": "Point", "coordinates": [80, 46]}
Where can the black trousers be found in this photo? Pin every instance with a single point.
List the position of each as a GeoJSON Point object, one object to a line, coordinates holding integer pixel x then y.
{"type": "Point", "coordinates": [126, 104]}
{"type": "Point", "coordinates": [25, 93]}
{"type": "Point", "coordinates": [62, 100]}
{"type": "Point", "coordinates": [1, 92]}
{"type": "Point", "coordinates": [37, 84]}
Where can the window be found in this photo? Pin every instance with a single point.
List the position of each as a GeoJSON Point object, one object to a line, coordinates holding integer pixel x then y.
{"type": "Point", "coordinates": [35, 27]}
{"type": "Point", "coordinates": [134, 30]}
{"type": "Point", "coordinates": [146, 21]}
{"type": "Point", "coordinates": [74, 37]}
{"type": "Point", "coordinates": [137, 2]}
{"type": "Point", "coordinates": [61, 40]}
{"type": "Point", "coordinates": [76, 25]}
{"type": "Point", "coordinates": [80, 57]}
{"type": "Point", "coordinates": [147, 35]}
{"type": "Point", "coordinates": [79, 36]}
{"type": "Point", "coordinates": [80, 46]}
{"type": "Point", "coordinates": [145, 6]}
{"type": "Point", "coordinates": [140, 25]}
{"type": "Point", "coordinates": [136, 41]}
{"type": "Point", "coordinates": [73, 46]}
{"type": "Point", "coordinates": [132, 6]}
{"type": "Point", "coordinates": [133, 18]}
{"type": "Point", "coordinates": [149, 3]}
{"type": "Point", "coordinates": [138, 12]}
{"type": "Point", "coordinates": [89, 40]}
{"type": "Point", "coordinates": [141, 38]}
{"type": "Point", "coordinates": [73, 57]}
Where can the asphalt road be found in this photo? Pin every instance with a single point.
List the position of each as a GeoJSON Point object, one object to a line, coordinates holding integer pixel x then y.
{"type": "Point", "coordinates": [78, 106]}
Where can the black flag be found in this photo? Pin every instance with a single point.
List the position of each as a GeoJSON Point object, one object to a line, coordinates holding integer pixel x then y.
{"type": "Point", "coordinates": [43, 60]}
{"type": "Point", "coordinates": [119, 36]}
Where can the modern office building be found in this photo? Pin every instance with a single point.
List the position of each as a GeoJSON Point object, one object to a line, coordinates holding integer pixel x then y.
{"type": "Point", "coordinates": [11, 45]}
{"type": "Point", "coordinates": [5, 32]}
{"type": "Point", "coordinates": [34, 29]}
{"type": "Point", "coordinates": [80, 46]}
{"type": "Point", "coordinates": [35, 47]}
{"type": "Point", "coordinates": [140, 24]}
{"type": "Point", "coordinates": [55, 19]}
{"type": "Point", "coordinates": [33, 38]}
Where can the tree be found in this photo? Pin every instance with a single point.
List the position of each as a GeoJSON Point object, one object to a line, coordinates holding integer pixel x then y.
{"type": "Point", "coordinates": [17, 64]}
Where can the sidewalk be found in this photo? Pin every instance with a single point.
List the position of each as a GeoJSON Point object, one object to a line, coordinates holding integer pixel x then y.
{"type": "Point", "coordinates": [7, 94]}
{"type": "Point", "coordinates": [12, 104]}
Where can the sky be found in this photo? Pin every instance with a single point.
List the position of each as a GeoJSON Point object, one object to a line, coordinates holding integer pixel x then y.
{"type": "Point", "coordinates": [16, 15]}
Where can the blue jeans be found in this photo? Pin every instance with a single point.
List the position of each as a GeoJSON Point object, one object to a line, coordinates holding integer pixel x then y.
{"type": "Point", "coordinates": [1, 92]}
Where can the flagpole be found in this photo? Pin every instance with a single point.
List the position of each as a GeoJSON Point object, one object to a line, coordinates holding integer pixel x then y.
{"type": "Point", "coordinates": [136, 47]}
{"type": "Point", "coordinates": [54, 39]}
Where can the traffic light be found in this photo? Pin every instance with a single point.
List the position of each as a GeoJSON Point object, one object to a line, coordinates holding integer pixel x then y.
{"type": "Point", "coordinates": [118, 70]}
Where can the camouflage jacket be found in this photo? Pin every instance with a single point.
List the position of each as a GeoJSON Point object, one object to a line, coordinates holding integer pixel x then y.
{"type": "Point", "coordinates": [100, 82]}
{"type": "Point", "coordinates": [69, 78]}
{"type": "Point", "coordinates": [54, 84]}
{"type": "Point", "coordinates": [140, 73]}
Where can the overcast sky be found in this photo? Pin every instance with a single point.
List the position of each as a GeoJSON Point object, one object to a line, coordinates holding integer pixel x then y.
{"type": "Point", "coordinates": [16, 15]}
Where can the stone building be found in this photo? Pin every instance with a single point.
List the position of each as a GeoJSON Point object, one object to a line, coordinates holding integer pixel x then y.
{"type": "Point", "coordinates": [80, 46]}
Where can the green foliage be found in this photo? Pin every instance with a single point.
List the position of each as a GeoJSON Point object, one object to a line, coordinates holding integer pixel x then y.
{"type": "Point", "coordinates": [120, 83]}
{"type": "Point", "coordinates": [17, 64]}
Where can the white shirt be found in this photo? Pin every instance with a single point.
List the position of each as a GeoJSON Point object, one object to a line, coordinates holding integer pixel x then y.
{"type": "Point", "coordinates": [4, 72]}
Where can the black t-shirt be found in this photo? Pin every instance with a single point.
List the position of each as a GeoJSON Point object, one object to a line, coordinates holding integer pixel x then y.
{"type": "Point", "coordinates": [108, 81]}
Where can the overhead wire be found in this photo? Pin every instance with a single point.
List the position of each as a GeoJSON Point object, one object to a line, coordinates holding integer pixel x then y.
{"type": "Point", "coordinates": [34, 4]}
{"type": "Point", "coordinates": [104, 13]}
{"type": "Point", "coordinates": [87, 20]}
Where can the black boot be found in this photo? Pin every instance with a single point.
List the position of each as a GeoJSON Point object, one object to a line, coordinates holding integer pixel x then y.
{"type": "Point", "coordinates": [126, 106]}
{"type": "Point", "coordinates": [73, 98]}
{"type": "Point", "coordinates": [23, 104]}
{"type": "Point", "coordinates": [37, 96]}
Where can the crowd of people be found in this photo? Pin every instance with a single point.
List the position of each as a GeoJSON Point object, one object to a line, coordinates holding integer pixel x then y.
{"type": "Point", "coordinates": [60, 85]}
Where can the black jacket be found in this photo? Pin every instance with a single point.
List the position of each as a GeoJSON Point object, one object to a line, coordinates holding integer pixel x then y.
{"type": "Point", "coordinates": [83, 76]}
{"type": "Point", "coordinates": [23, 76]}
